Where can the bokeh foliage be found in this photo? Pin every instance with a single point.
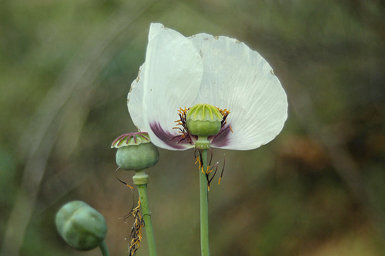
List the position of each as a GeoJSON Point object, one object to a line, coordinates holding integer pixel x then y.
{"type": "Point", "coordinates": [318, 189]}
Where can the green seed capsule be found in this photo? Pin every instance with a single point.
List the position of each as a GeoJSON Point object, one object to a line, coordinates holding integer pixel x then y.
{"type": "Point", "coordinates": [137, 157]}
{"type": "Point", "coordinates": [135, 151]}
{"type": "Point", "coordinates": [204, 120]}
{"type": "Point", "coordinates": [80, 225]}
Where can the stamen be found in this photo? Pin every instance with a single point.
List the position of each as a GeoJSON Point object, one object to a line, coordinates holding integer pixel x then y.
{"type": "Point", "coordinates": [211, 155]}
{"type": "Point", "coordinates": [198, 161]}
{"type": "Point", "coordinates": [212, 177]}
{"type": "Point", "coordinates": [136, 231]}
{"type": "Point", "coordinates": [225, 112]}
{"type": "Point", "coordinates": [223, 169]}
{"type": "Point", "coordinates": [183, 131]}
{"type": "Point", "coordinates": [125, 183]}
{"type": "Point", "coordinates": [208, 170]}
{"type": "Point", "coordinates": [211, 170]}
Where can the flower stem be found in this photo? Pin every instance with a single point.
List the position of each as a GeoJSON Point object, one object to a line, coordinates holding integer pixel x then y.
{"type": "Point", "coordinates": [141, 180]}
{"type": "Point", "coordinates": [104, 248]}
{"type": "Point", "coordinates": [204, 215]}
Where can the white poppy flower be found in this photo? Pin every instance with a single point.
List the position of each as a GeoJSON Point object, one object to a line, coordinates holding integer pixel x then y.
{"type": "Point", "coordinates": [180, 72]}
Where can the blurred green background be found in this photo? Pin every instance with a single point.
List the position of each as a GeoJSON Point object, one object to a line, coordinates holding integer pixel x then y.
{"type": "Point", "coordinates": [318, 189]}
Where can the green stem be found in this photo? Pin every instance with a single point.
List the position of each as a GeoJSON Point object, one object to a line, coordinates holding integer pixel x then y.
{"type": "Point", "coordinates": [140, 180]}
{"type": "Point", "coordinates": [204, 215]}
{"type": "Point", "coordinates": [103, 247]}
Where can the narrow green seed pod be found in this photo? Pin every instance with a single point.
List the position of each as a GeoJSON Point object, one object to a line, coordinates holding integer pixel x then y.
{"type": "Point", "coordinates": [80, 225]}
{"type": "Point", "coordinates": [204, 120]}
{"type": "Point", "coordinates": [135, 151]}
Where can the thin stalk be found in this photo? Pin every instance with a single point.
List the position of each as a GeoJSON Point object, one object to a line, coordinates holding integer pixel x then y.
{"type": "Point", "coordinates": [104, 248]}
{"type": "Point", "coordinates": [141, 182]}
{"type": "Point", "coordinates": [204, 215]}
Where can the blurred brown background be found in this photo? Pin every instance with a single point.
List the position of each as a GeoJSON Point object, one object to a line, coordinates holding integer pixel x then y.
{"type": "Point", "coordinates": [317, 190]}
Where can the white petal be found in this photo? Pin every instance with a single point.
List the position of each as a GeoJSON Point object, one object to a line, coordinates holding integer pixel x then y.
{"type": "Point", "coordinates": [239, 79]}
{"type": "Point", "coordinates": [172, 75]}
{"type": "Point", "coordinates": [135, 100]}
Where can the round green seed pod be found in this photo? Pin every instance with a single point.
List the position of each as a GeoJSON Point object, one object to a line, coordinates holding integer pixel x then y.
{"type": "Point", "coordinates": [204, 120]}
{"type": "Point", "coordinates": [137, 157]}
{"type": "Point", "coordinates": [80, 225]}
{"type": "Point", "coordinates": [135, 151]}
